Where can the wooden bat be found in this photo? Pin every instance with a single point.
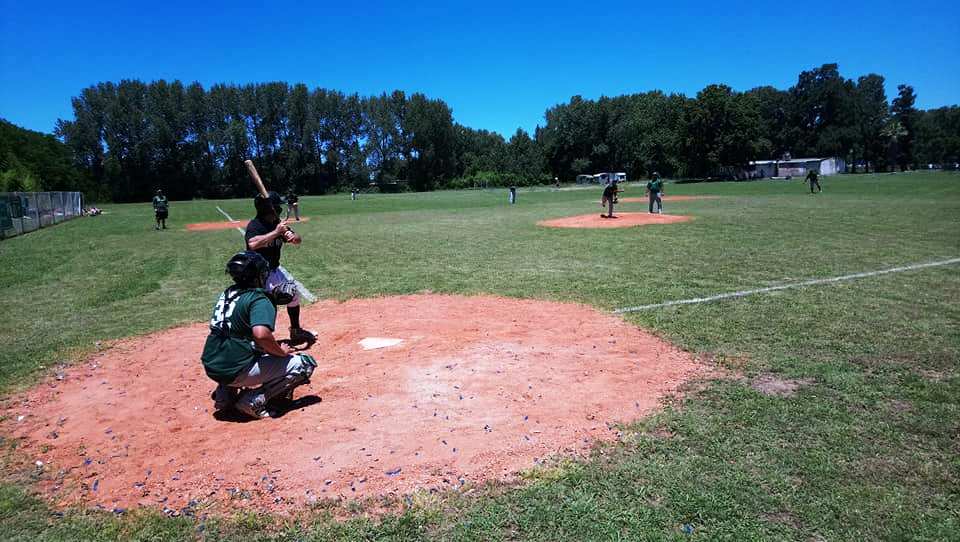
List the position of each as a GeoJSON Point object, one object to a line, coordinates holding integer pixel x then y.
{"type": "Point", "coordinates": [252, 169]}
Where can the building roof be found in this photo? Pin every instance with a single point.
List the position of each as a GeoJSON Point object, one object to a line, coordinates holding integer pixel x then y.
{"type": "Point", "coordinates": [790, 161]}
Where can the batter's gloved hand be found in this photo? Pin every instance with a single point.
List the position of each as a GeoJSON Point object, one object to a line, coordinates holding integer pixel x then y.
{"type": "Point", "coordinates": [283, 293]}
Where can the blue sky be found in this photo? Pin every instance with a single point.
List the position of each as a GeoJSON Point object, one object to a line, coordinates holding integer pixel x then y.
{"type": "Point", "coordinates": [498, 65]}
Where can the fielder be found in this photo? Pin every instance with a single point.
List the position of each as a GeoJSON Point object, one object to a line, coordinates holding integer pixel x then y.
{"type": "Point", "coordinates": [814, 178]}
{"type": "Point", "coordinates": [241, 354]}
{"type": "Point", "coordinates": [160, 209]}
{"type": "Point", "coordinates": [266, 235]}
{"type": "Point", "coordinates": [655, 190]}
{"type": "Point", "coordinates": [608, 198]}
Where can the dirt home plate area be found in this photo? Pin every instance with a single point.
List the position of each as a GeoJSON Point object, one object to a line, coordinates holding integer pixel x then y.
{"type": "Point", "coordinates": [412, 393]}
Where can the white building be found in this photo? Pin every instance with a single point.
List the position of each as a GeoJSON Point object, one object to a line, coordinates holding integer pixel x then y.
{"type": "Point", "coordinates": [795, 167]}
{"type": "Point", "coordinates": [602, 178]}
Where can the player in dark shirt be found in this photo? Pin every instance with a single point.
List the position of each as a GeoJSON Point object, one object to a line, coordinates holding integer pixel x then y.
{"type": "Point", "coordinates": [608, 198]}
{"type": "Point", "coordinates": [266, 234]}
{"type": "Point", "coordinates": [293, 205]}
{"type": "Point", "coordinates": [813, 177]}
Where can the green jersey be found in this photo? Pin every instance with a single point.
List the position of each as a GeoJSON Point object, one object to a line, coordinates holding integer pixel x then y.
{"type": "Point", "coordinates": [160, 203]}
{"type": "Point", "coordinates": [230, 347]}
{"type": "Point", "coordinates": [655, 187]}
{"type": "Point", "coordinates": [812, 175]}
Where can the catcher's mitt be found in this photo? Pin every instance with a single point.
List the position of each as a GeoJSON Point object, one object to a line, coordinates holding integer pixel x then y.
{"type": "Point", "coordinates": [283, 293]}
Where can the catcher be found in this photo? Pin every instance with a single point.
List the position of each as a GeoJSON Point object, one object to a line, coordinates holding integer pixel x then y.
{"type": "Point", "coordinates": [241, 354]}
{"type": "Point", "coordinates": [609, 198]}
{"type": "Point", "coordinates": [266, 235]}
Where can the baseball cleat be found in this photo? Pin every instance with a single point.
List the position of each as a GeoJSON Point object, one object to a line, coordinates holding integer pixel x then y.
{"type": "Point", "coordinates": [224, 397]}
{"type": "Point", "coordinates": [254, 407]}
{"type": "Point", "coordinates": [300, 336]}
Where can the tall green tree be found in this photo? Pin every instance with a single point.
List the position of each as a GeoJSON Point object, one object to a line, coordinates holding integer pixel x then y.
{"type": "Point", "coordinates": [871, 116]}
{"type": "Point", "coordinates": [905, 113]}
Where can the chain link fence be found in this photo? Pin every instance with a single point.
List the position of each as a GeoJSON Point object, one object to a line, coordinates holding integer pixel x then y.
{"type": "Point", "coordinates": [24, 212]}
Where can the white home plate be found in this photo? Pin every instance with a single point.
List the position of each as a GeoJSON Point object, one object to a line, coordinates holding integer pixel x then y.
{"type": "Point", "coordinates": [371, 343]}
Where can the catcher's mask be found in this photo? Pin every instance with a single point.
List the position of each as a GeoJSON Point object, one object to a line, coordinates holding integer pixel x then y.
{"type": "Point", "coordinates": [272, 203]}
{"type": "Point", "coordinates": [248, 269]}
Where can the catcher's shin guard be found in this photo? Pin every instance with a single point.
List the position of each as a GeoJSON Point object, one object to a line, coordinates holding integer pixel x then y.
{"type": "Point", "coordinates": [296, 376]}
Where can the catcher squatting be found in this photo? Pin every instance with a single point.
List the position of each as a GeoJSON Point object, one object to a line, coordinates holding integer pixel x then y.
{"type": "Point", "coordinates": [252, 370]}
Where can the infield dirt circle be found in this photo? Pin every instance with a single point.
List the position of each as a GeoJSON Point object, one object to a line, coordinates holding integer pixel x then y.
{"type": "Point", "coordinates": [412, 393]}
{"type": "Point", "coordinates": [619, 220]}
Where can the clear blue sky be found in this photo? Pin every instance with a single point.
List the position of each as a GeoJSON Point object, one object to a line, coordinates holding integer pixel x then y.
{"type": "Point", "coordinates": [498, 65]}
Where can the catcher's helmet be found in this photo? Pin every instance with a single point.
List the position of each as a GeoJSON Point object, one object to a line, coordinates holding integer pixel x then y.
{"type": "Point", "coordinates": [248, 269]}
{"type": "Point", "coordinates": [273, 202]}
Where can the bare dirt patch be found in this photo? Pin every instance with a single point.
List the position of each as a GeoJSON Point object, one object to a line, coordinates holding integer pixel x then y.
{"type": "Point", "coordinates": [775, 386]}
{"type": "Point", "coordinates": [667, 198]}
{"type": "Point", "coordinates": [479, 389]}
{"type": "Point", "coordinates": [620, 220]}
{"type": "Point", "coordinates": [229, 225]}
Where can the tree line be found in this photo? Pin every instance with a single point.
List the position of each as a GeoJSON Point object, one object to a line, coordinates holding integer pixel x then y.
{"type": "Point", "coordinates": [33, 161]}
{"type": "Point", "coordinates": [128, 138]}
{"type": "Point", "coordinates": [719, 131]}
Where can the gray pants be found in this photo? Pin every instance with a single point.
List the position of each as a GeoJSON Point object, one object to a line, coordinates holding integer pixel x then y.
{"type": "Point", "coordinates": [656, 200]}
{"type": "Point", "coordinates": [294, 209]}
{"type": "Point", "coordinates": [265, 378]}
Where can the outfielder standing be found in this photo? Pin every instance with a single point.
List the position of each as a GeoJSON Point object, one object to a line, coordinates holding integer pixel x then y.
{"type": "Point", "coordinates": [814, 178]}
{"type": "Point", "coordinates": [266, 235]}
{"type": "Point", "coordinates": [241, 353]}
{"type": "Point", "coordinates": [655, 190]}
{"type": "Point", "coordinates": [160, 209]}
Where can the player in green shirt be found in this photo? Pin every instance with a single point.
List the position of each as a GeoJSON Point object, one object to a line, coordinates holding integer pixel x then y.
{"type": "Point", "coordinates": [655, 190]}
{"type": "Point", "coordinates": [813, 176]}
{"type": "Point", "coordinates": [160, 209]}
{"type": "Point", "coordinates": [241, 354]}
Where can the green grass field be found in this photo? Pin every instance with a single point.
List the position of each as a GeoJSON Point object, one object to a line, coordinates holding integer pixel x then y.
{"type": "Point", "coordinates": [869, 449]}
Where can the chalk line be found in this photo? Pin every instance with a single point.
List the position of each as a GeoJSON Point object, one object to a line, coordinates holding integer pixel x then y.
{"type": "Point", "coordinates": [304, 292]}
{"type": "Point", "coordinates": [743, 293]}
{"type": "Point", "coordinates": [224, 213]}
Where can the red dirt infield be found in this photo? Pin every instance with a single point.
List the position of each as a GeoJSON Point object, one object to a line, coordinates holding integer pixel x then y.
{"type": "Point", "coordinates": [620, 220]}
{"type": "Point", "coordinates": [479, 389]}
{"type": "Point", "coordinates": [667, 198]}
{"type": "Point", "coordinates": [228, 225]}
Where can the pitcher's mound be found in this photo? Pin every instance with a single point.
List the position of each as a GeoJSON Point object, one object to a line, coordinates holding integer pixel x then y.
{"type": "Point", "coordinates": [229, 225]}
{"type": "Point", "coordinates": [619, 220]}
{"type": "Point", "coordinates": [478, 388]}
{"type": "Point", "coordinates": [667, 198]}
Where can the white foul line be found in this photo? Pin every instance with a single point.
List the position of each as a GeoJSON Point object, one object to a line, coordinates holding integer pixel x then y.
{"type": "Point", "coordinates": [224, 213]}
{"type": "Point", "coordinates": [743, 293]}
{"type": "Point", "coordinates": [306, 294]}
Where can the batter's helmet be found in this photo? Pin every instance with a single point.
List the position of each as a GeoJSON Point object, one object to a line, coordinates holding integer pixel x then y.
{"type": "Point", "coordinates": [273, 202]}
{"type": "Point", "coordinates": [248, 269]}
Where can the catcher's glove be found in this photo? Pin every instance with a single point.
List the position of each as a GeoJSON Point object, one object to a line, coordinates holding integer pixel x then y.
{"type": "Point", "coordinates": [283, 293]}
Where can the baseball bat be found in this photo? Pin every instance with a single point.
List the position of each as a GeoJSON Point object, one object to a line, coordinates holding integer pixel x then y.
{"type": "Point", "coordinates": [252, 169]}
